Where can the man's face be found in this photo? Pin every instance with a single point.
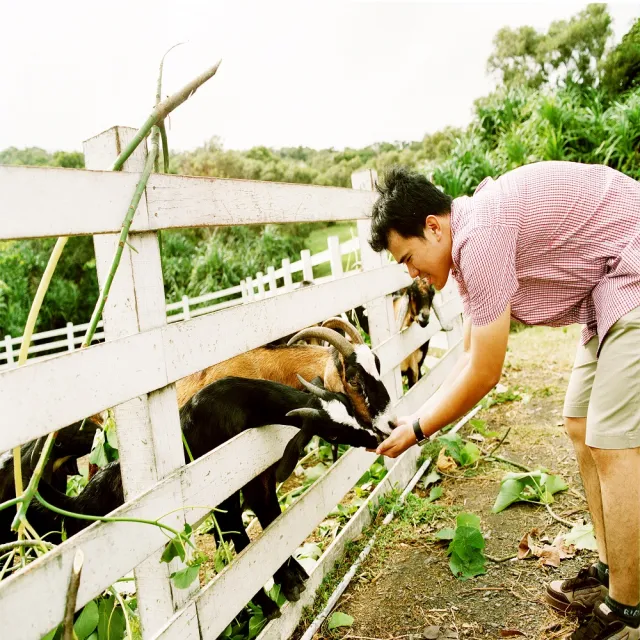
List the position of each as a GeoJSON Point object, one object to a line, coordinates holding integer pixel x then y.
{"type": "Point", "coordinates": [429, 256]}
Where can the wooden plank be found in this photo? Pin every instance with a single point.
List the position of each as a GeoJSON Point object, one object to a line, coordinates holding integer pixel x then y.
{"type": "Point", "coordinates": [68, 388]}
{"type": "Point", "coordinates": [38, 202]}
{"type": "Point", "coordinates": [32, 601]}
{"type": "Point", "coordinates": [220, 600]}
{"type": "Point", "coordinates": [148, 427]}
{"type": "Point", "coordinates": [134, 365]}
{"type": "Point", "coordinates": [194, 345]}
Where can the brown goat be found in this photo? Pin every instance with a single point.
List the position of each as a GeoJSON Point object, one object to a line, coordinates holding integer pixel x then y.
{"type": "Point", "coordinates": [337, 365]}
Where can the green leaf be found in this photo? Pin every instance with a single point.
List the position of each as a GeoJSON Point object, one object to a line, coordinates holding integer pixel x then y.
{"type": "Point", "coordinates": [555, 484]}
{"type": "Point", "coordinates": [436, 492]}
{"type": "Point", "coordinates": [112, 436]}
{"type": "Point", "coordinates": [99, 456]}
{"type": "Point", "coordinates": [339, 619]}
{"type": "Point", "coordinates": [50, 635]}
{"type": "Point", "coordinates": [445, 534]}
{"type": "Point", "coordinates": [183, 578]}
{"type": "Point", "coordinates": [174, 549]}
{"type": "Point", "coordinates": [431, 478]}
{"type": "Point", "coordinates": [313, 473]}
{"type": "Point", "coordinates": [581, 535]}
{"type": "Point", "coordinates": [469, 454]}
{"type": "Point", "coordinates": [87, 621]}
{"type": "Point", "coordinates": [256, 623]}
{"type": "Point", "coordinates": [468, 520]}
{"type": "Point", "coordinates": [309, 550]}
{"type": "Point", "coordinates": [510, 492]}
{"type": "Point", "coordinates": [95, 636]}
{"type": "Point", "coordinates": [111, 625]}
{"type": "Point", "coordinates": [275, 593]}
{"type": "Point", "coordinates": [227, 632]}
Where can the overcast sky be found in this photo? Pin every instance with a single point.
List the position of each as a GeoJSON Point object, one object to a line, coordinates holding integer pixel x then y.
{"type": "Point", "coordinates": [319, 74]}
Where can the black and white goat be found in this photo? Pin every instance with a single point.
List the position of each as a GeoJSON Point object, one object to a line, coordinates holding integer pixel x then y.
{"type": "Point", "coordinates": [213, 416]}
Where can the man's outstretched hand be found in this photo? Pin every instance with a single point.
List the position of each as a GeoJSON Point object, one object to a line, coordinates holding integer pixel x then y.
{"type": "Point", "coordinates": [401, 438]}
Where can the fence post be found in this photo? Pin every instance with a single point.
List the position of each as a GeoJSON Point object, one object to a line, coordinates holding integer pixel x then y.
{"type": "Point", "coordinates": [335, 257]}
{"type": "Point", "coordinates": [307, 269]}
{"type": "Point", "coordinates": [70, 337]}
{"type": "Point", "coordinates": [382, 324]}
{"type": "Point", "coordinates": [260, 282]}
{"type": "Point", "coordinates": [8, 351]}
{"type": "Point", "coordinates": [271, 279]}
{"type": "Point", "coordinates": [250, 293]}
{"type": "Point", "coordinates": [148, 427]}
{"type": "Point", "coordinates": [186, 311]}
{"type": "Point", "coordinates": [286, 269]}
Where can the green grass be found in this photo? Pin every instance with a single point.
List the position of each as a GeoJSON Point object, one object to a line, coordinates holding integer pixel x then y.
{"type": "Point", "coordinates": [317, 242]}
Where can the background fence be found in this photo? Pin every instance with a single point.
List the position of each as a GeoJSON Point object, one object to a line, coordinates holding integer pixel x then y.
{"type": "Point", "coordinates": [135, 369]}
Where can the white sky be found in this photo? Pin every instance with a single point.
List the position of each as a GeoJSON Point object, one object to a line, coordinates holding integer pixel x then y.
{"type": "Point", "coordinates": [318, 74]}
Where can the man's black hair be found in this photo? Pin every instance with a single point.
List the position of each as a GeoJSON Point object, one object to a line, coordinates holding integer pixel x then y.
{"type": "Point", "coordinates": [406, 199]}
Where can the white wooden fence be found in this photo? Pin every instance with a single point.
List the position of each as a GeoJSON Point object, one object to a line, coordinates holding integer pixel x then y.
{"type": "Point", "coordinates": [48, 343]}
{"type": "Point", "coordinates": [134, 371]}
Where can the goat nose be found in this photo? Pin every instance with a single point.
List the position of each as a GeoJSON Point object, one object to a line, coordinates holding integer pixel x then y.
{"type": "Point", "coordinates": [392, 425]}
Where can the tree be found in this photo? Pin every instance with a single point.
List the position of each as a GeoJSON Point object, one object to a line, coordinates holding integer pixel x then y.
{"type": "Point", "coordinates": [621, 70]}
{"type": "Point", "coordinates": [569, 53]}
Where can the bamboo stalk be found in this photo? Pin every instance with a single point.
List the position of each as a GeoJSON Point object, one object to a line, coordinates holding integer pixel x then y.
{"type": "Point", "coordinates": [161, 111]}
{"type": "Point", "coordinates": [72, 596]}
{"type": "Point", "coordinates": [165, 147]}
{"type": "Point", "coordinates": [137, 195]}
{"type": "Point", "coordinates": [36, 305]}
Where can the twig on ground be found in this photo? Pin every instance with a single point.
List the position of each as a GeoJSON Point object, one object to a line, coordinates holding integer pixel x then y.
{"type": "Point", "coordinates": [555, 516]}
{"type": "Point", "coordinates": [511, 462]}
{"type": "Point", "coordinates": [499, 444]}
{"type": "Point", "coordinates": [494, 559]}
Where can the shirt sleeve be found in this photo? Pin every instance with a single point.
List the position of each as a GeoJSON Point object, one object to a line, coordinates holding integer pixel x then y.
{"type": "Point", "coordinates": [488, 270]}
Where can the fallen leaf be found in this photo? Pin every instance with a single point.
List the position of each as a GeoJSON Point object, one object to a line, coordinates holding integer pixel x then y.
{"type": "Point", "coordinates": [339, 619]}
{"type": "Point", "coordinates": [431, 633]}
{"type": "Point", "coordinates": [477, 437]}
{"type": "Point", "coordinates": [566, 550]}
{"type": "Point", "coordinates": [445, 463]}
{"type": "Point", "coordinates": [582, 537]}
{"type": "Point", "coordinates": [548, 554]}
{"type": "Point", "coordinates": [508, 633]}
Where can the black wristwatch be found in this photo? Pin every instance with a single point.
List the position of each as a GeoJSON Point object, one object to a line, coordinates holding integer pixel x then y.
{"type": "Point", "coordinates": [420, 437]}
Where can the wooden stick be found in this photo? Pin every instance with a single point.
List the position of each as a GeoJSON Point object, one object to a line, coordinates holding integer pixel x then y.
{"type": "Point", "coordinates": [72, 596]}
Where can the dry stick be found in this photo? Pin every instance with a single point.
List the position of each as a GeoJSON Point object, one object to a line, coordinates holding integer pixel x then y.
{"type": "Point", "coordinates": [517, 465]}
{"type": "Point", "coordinates": [161, 111]}
{"type": "Point", "coordinates": [72, 596]}
{"type": "Point", "coordinates": [566, 523]}
{"type": "Point", "coordinates": [7, 546]}
{"type": "Point", "coordinates": [161, 127]}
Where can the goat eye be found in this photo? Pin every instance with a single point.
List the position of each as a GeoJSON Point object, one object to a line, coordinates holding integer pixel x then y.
{"type": "Point", "coordinates": [354, 382]}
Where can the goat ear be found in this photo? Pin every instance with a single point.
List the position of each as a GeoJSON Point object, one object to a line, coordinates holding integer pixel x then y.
{"type": "Point", "coordinates": [292, 453]}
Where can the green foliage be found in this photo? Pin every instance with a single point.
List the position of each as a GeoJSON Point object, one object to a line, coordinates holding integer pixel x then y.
{"type": "Point", "coordinates": [621, 70]}
{"type": "Point", "coordinates": [464, 453]}
{"type": "Point", "coordinates": [569, 53]}
{"type": "Point", "coordinates": [339, 619]}
{"type": "Point", "coordinates": [465, 549]}
{"type": "Point", "coordinates": [533, 486]}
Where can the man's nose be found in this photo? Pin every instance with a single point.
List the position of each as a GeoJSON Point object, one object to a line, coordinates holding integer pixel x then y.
{"type": "Point", "coordinates": [413, 272]}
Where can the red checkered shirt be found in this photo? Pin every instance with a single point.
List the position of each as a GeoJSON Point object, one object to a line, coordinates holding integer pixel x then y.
{"type": "Point", "coordinates": [560, 241]}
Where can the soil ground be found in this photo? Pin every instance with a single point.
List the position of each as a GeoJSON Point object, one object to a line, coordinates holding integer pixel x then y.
{"type": "Point", "coordinates": [405, 585]}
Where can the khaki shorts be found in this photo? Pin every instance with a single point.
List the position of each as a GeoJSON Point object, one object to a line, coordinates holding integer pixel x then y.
{"type": "Point", "coordinates": [606, 390]}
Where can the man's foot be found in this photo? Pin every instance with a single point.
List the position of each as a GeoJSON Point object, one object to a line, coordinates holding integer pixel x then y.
{"type": "Point", "coordinates": [604, 625]}
{"type": "Point", "coordinates": [578, 594]}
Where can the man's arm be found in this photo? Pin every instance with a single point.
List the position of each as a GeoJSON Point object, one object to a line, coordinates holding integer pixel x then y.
{"type": "Point", "coordinates": [476, 373]}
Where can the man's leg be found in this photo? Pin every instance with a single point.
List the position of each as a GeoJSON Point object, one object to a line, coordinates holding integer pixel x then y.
{"type": "Point", "coordinates": [576, 430]}
{"type": "Point", "coordinates": [619, 472]}
{"type": "Point", "coordinates": [580, 593]}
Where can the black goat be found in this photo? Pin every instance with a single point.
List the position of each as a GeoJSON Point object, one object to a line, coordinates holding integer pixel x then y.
{"type": "Point", "coordinates": [213, 416]}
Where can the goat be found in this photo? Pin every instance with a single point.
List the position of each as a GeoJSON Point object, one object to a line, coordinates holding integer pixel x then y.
{"type": "Point", "coordinates": [414, 306]}
{"type": "Point", "coordinates": [70, 444]}
{"type": "Point", "coordinates": [214, 415]}
{"type": "Point", "coordinates": [344, 367]}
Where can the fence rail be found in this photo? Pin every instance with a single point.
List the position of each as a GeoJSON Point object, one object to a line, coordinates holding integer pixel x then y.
{"type": "Point", "coordinates": [44, 344]}
{"type": "Point", "coordinates": [135, 369]}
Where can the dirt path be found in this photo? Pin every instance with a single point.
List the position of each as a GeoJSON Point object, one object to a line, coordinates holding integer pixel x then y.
{"type": "Point", "coordinates": [406, 585]}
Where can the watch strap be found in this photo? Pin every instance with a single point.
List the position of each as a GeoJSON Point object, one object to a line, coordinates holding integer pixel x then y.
{"type": "Point", "coordinates": [420, 437]}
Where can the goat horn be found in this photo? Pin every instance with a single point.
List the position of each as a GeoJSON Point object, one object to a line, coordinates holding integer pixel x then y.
{"type": "Point", "coordinates": [347, 327]}
{"type": "Point", "coordinates": [328, 335]}
{"type": "Point", "coordinates": [317, 391]}
{"type": "Point", "coordinates": [403, 311]}
{"type": "Point", "coordinates": [303, 412]}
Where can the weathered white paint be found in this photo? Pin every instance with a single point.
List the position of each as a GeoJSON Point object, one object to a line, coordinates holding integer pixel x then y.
{"type": "Point", "coordinates": [149, 436]}
{"type": "Point", "coordinates": [38, 202]}
{"type": "Point", "coordinates": [152, 359]}
{"type": "Point", "coordinates": [219, 601]}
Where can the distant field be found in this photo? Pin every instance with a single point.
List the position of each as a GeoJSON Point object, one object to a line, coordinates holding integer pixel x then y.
{"type": "Point", "coordinates": [317, 241]}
